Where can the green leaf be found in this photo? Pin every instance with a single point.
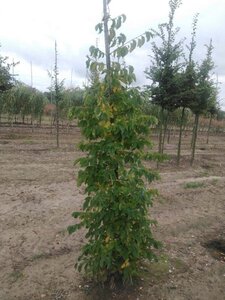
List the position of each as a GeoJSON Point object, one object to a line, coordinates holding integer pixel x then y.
{"type": "Point", "coordinates": [73, 228]}
{"type": "Point", "coordinates": [118, 23]}
{"type": "Point", "coordinates": [124, 17]}
{"type": "Point", "coordinates": [112, 34]}
{"type": "Point", "coordinates": [93, 66]}
{"type": "Point", "coordinates": [148, 35]}
{"type": "Point", "coordinates": [141, 41]}
{"type": "Point", "coordinates": [76, 214]}
{"type": "Point", "coordinates": [99, 27]}
{"type": "Point", "coordinates": [133, 45]}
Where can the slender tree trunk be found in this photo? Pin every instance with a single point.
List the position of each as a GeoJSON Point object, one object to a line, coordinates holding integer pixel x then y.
{"type": "Point", "coordinates": [51, 122]}
{"type": "Point", "coordinates": [161, 129]}
{"type": "Point", "coordinates": [209, 128]}
{"type": "Point", "coordinates": [180, 136]}
{"type": "Point", "coordinates": [57, 124]}
{"type": "Point", "coordinates": [165, 131]}
{"type": "Point", "coordinates": [106, 34]}
{"type": "Point", "coordinates": [168, 135]}
{"type": "Point", "coordinates": [195, 133]}
{"type": "Point", "coordinates": [56, 95]}
{"type": "Point", "coordinates": [160, 133]}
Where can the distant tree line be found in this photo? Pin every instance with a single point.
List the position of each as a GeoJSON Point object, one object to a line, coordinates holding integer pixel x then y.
{"type": "Point", "coordinates": [179, 93]}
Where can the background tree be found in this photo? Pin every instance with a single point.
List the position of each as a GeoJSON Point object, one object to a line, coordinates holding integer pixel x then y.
{"type": "Point", "coordinates": [23, 95]}
{"type": "Point", "coordinates": [187, 84]}
{"type": "Point", "coordinates": [213, 108]}
{"type": "Point", "coordinates": [6, 80]}
{"type": "Point", "coordinates": [164, 71]}
{"type": "Point", "coordinates": [71, 98]}
{"type": "Point", "coordinates": [202, 93]}
{"type": "Point", "coordinates": [57, 93]}
{"type": "Point", "coordinates": [38, 101]}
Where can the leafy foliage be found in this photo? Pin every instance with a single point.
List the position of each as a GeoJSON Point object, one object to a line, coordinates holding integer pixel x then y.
{"type": "Point", "coordinates": [164, 72]}
{"type": "Point", "coordinates": [24, 101]}
{"type": "Point", "coordinates": [6, 79]}
{"type": "Point", "coordinates": [115, 210]}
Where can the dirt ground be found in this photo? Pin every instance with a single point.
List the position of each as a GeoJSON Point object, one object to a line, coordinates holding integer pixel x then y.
{"type": "Point", "coordinates": [38, 193]}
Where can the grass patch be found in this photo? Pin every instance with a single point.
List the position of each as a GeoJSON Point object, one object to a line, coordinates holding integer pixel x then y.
{"type": "Point", "coordinates": [29, 141]}
{"type": "Point", "coordinates": [159, 271]}
{"type": "Point", "coordinates": [194, 185]}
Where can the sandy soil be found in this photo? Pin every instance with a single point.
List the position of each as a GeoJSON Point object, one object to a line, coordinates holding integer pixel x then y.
{"type": "Point", "coordinates": [38, 193]}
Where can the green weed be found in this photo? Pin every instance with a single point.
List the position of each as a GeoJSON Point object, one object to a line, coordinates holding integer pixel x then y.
{"type": "Point", "coordinates": [194, 185]}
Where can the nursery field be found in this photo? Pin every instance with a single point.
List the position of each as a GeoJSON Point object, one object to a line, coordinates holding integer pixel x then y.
{"type": "Point", "coordinates": [38, 193]}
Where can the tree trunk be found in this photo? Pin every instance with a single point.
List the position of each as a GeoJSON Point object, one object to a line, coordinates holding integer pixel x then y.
{"type": "Point", "coordinates": [209, 128]}
{"type": "Point", "coordinates": [195, 133]}
{"type": "Point", "coordinates": [164, 131]}
{"type": "Point", "coordinates": [192, 136]}
{"type": "Point", "coordinates": [56, 95]}
{"type": "Point", "coordinates": [57, 124]}
{"type": "Point", "coordinates": [161, 130]}
{"type": "Point", "coordinates": [160, 133]}
{"type": "Point", "coordinates": [180, 135]}
{"type": "Point", "coordinates": [106, 34]}
{"type": "Point", "coordinates": [168, 135]}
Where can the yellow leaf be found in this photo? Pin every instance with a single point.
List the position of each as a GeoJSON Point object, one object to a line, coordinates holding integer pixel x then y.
{"type": "Point", "coordinates": [107, 239]}
{"type": "Point", "coordinates": [125, 264]}
{"type": "Point", "coordinates": [105, 124]}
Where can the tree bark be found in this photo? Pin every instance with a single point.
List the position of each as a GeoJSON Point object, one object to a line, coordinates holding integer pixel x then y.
{"type": "Point", "coordinates": [209, 128]}
{"type": "Point", "coordinates": [164, 131]}
{"type": "Point", "coordinates": [106, 34]}
{"type": "Point", "coordinates": [180, 136]}
{"type": "Point", "coordinates": [195, 133]}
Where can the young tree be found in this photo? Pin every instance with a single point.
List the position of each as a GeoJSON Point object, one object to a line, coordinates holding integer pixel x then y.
{"type": "Point", "coordinates": [24, 93]}
{"type": "Point", "coordinates": [71, 98]}
{"type": "Point", "coordinates": [202, 94]}
{"type": "Point", "coordinates": [57, 93]}
{"type": "Point", "coordinates": [164, 72]}
{"type": "Point", "coordinates": [115, 210]}
{"type": "Point", "coordinates": [187, 83]}
{"type": "Point", "coordinates": [12, 103]}
{"type": "Point", "coordinates": [212, 109]}
{"type": "Point", "coordinates": [37, 105]}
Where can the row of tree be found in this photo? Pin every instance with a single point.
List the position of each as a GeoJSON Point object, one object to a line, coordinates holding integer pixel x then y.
{"type": "Point", "coordinates": [178, 81]}
{"type": "Point", "coordinates": [22, 103]}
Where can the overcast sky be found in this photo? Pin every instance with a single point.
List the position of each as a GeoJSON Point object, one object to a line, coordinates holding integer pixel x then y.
{"type": "Point", "coordinates": [29, 28]}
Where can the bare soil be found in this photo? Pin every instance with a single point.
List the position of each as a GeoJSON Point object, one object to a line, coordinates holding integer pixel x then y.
{"type": "Point", "coordinates": [38, 193]}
